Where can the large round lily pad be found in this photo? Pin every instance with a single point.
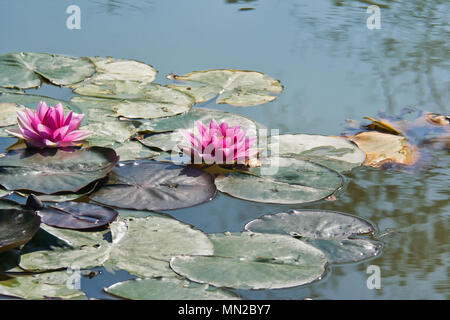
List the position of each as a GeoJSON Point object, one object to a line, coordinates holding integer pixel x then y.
{"type": "Point", "coordinates": [282, 180]}
{"type": "Point", "coordinates": [17, 227]}
{"type": "Point", "coordinates": [167, 289]}
{"type": "Point", "coordinates": [332, 232]}
{"type": "Point", "coordinates": [55, 170]}
{"type": "Point", "coordinates": [254, 261]}
{"type": "Point", "coordinates": [333, 152]}
{"type": "Point", "coordinates": [155, 185]}
{"type": "Point", "coordinates": [234, 87]}
{"type": "Point", "coordinates": [77, 215]}
{"type": "Point", "coordinates": [144, 246]}
{"type": "Point", "coordinates": [24, 69]}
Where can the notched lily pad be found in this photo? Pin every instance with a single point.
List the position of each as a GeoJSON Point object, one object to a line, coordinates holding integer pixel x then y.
{"type": "Point", "coordinates": [24, 69]}
{"type": "Point", "coordinates": [121, 69]}
{"type": "Point", "coordinates": [235, 87]}
{"type": "Point", "coordinates": [155, 186]}
{"type": "Point", "coordinates": [254, 261]}
{"type": "Point", "coordinates": [17, 227]}
{"type": "Point", "coordinates": [55, 170]}
{"type": "Point", "coordinates": [332, 232]}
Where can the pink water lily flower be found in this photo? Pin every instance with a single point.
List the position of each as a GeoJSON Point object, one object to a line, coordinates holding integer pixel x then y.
{"type": "Point", "coordinates": [219, 144]}
{"type": "Point", "coordinates": [48, 127]}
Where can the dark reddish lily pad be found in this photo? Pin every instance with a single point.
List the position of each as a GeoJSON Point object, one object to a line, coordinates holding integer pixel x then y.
{"type": "Point", "coordinates": [77, 215]}
{"type": "Point", "coordinates": [155, 185]}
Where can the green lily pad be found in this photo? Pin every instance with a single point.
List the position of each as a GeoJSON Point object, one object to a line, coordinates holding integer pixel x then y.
{"type": "Point", "coordinates": [235, 87]}
{"type": "Point", "coordinates": [333, 152]}
{"type": "Point", "coordinates": [167, 289]}
{"type": "Point", "coordinates": [77, 215]}
{"type": "Point", "coordinates": [24, 69]}
{"type": "Point", "coordinates": [107, 133]}
{"type": "Point", "coordinates": [31, 101]}
{"type": "Point", "coordinates": [254, 261]}
{"type": "Point", "coordinates": [134, 99]}
{"type": "Point", "coordinates": [61, 197]}
{"type": "Point", "coordinates": [94, 109]}
{"type": "Point", "coordinates": [17, 227]}
{"type": "Point", "coordinates": [54, 249]}
{"type": "Point", "coordinates": [282, 180]}
{"type": "Point", "coordinates": [332, 232]}
{"type": "Point", "coordinates": [187, 121]}
{"type": "Point", "coordinates": [121, 69]}
{"type": "Point", "coordinates": [133, 150]}
{"type": "Point", "coordinates": [155, 186]}
{"type": "Point", "coordinates": [144, 246]}
{"type": "Point", "coordinates": [55, 170]}
{"type": "Point", "coordinates": [8, 115]}
{"type": "Point", "coordinates": [41, 286]}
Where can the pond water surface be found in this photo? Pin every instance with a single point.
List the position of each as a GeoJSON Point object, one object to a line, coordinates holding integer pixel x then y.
{"type": "Point", "coordinates": [332, 68]}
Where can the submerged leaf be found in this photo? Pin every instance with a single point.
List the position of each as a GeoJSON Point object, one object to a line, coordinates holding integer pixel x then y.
{"type": "Point", "coordinates": [234, 87]}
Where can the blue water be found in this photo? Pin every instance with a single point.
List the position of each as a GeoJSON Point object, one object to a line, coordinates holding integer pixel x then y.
{"type": "Point", "coordinates": [332, 68]}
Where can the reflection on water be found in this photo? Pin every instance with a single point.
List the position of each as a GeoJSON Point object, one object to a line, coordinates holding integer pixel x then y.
{"type": "Point", "coordinates": [332, 68]}
{"type": "Point", "coordinates": [120, 7]}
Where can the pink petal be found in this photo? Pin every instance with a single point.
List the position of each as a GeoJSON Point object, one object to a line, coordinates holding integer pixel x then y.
{"type": "Point", "coordinates": [59, 115]}
{"type": "Point", "coordinates": [75, 122]}
{"type": "Point", "coordinates": [77, 135]}
{"type": "Point", "coordinates": [44, 132]}
{"type": "Point", "coordinates": [223, 127]}
{"type": "Point", "coordinates": [213, 125]}
{"type": "Point", "coordinates": [60, 133]}
{"type": "Point", "coordinates": [42, 110]}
